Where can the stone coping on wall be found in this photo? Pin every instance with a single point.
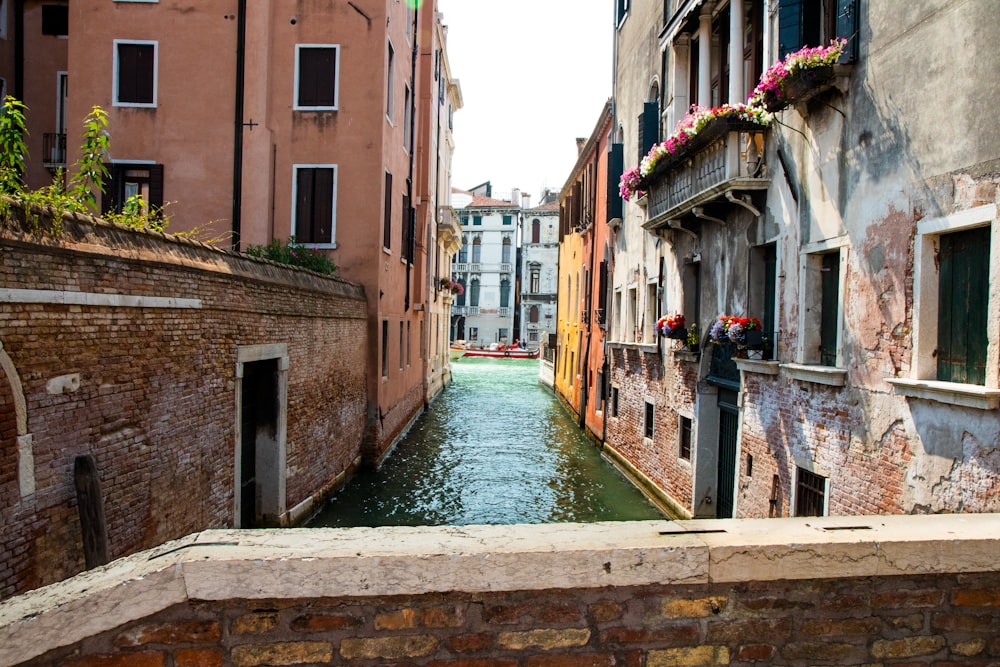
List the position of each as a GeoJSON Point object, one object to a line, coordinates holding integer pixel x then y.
{"type": "Point", "coordinates": [356, 562]}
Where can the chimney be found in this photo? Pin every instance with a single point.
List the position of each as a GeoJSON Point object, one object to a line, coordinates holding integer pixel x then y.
{"type": "Point", "coordinates": [525, 200]}
{"type": "Point", "coordinates": [580, 143]}
{"type": "Point", "coordinates": [515, 196]}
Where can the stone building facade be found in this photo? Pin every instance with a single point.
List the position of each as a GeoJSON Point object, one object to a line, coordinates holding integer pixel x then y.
{"type": "Point", "coordinates": [860, 226]}
{"type": "Point", "coordinates": [539, 267]}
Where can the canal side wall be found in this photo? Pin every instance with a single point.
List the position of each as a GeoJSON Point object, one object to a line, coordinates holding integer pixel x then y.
{"type": "Point", "coordinates": [797, 591]}
{"type": "Point", "coordinates": [130, 347]}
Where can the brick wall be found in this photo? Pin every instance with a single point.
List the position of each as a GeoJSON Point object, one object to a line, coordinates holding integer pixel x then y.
{"type": "Point", "coordinates": [550, 596]}
{"type": "Point", "coordinates": [150, 390]}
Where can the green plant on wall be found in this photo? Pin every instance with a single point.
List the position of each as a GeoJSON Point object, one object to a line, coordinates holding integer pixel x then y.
{"type": "Point", "coordinates": [89, 177]}
{"type": "Point", "coordinates": [293, 254]}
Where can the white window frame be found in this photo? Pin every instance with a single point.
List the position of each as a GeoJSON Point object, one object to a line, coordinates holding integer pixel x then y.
{"type": "Point", "coordinates": [295, 188]}
{"type": "Point", "coordinates": [336, 79]}
{"type": "Point", "coordinates": [156, 70]}
{"type": "Point", "coordinates": [390, 92]}
{"type": "Point", "coordinates": [922, 381]}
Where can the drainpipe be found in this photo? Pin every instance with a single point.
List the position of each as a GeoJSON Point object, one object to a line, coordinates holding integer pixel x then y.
{"type": "Point", "coordinates": [241, 45]}
{"type": "Point", "coordinates": [19, 49]}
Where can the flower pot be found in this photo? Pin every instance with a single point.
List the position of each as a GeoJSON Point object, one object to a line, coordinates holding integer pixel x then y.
{"type": "Point", "coordinates": [755, 354]}
{"type": "Point", "coordinates": [798, 87]}
{"type": "Point", "coordinates": [679, 333]}
{"type": "Point", "coordinates": [753, 337]}
{"type": "Point", "coordinates": [694, 348]}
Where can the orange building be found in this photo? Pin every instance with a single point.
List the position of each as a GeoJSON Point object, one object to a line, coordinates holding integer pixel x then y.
{"type": "Point", "coordinates": [253, 121]}
{"type": "Point", "coordinates": [589, 200]}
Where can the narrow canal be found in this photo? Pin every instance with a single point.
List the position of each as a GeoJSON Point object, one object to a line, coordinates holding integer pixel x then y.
{"type": "Point", "coordinates": [496, 447]}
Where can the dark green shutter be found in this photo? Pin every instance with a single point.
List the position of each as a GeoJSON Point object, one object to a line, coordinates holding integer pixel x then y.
{"type": "Point", "coordinates": [798, 25]}
{"type": "Point", "coordinates": [770, 277]}
{"type": "Point", "coordinates": [616, 165]}
{"type": "Point", "coordinates": [155, 187]}
{"type": "Point", "coordinates": [830, 304]}
{"type": "Point", "coordinates": [963, 295]}
{"type": "Point", "coordinates": [649, 127]}
{"type": "Point", "coordinates": [847, 27]}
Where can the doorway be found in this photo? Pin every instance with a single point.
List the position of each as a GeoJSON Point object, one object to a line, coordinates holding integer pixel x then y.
{"type": "Point", "coordinates": [729, 421]}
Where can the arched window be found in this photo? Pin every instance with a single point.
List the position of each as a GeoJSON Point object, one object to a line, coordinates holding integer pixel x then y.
{"type": "Point", "coordinates": [506, 251]}
{"type": "Point", "coordinates": [477, 250]}
{"type": "Point", "coordinates": [536, 231]}
{"type": "Point", "coordinates": [504, 293]}
{"type": "Point", "coordinates": [533, 315]}
{"type": "Point", "coordinates": [474, 292]}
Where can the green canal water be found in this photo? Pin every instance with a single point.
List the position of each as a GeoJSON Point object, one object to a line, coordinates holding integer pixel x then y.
{"type": "Point", "coordinates": [496, 447]}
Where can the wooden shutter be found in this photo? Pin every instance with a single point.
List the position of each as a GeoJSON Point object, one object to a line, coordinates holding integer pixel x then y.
{"type": "Point", "coordinates": [963, 295]}
{"type": "Point", "coordinates": [156, 188]}
{"type": "Point", "coordinates": [847, 27]}
{"type": "Point", "coordinates": [387, 213]}
{"type": "Point", "coordinates": [55, 20]}
{"type": "Point", "coordinates": [830, 306]}
{"type": "Point", "coordinates": [798, 25]}
{"type": "Point", "coordinates": [768, 319]}
{"type": "Point", "coordinates": [135, 73]}
{"type": "Point", "coordinates": [616, 165]}
{"type": "Point", "coordinates": [314, 205]}
{"type": "Point", "coordinates": [649, 127]}
{"type": "Point", "coordinates": [317, 70]}
{"type": "Point", "coordinates": [109, 198]}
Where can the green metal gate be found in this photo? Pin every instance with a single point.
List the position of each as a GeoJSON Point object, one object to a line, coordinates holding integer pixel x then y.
{"type": "Point", "coordinates": [729, 420]}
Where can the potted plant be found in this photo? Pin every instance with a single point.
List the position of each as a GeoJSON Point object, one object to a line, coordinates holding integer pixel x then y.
{"type": "Point", "coordinates": [693, 340]}
{"type": "Point", "coordinates": [456, 288]}
{"type": "Point", "coordinates": [672, 327]}
{"type": "Point", "coordinates": [797, 77]}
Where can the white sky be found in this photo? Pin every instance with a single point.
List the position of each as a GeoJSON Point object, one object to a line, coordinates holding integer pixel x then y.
{"type": "Point", "coordinates": [535, 75]}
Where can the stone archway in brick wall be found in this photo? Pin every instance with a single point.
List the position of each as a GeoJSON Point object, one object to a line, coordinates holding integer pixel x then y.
{"type": "Point", "coordinates": [11, 382]}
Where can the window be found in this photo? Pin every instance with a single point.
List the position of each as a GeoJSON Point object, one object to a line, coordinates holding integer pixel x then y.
{"type": "Point", "coordinates": [55, 20]}
{"type": "Point", "coordinates": [649, 127]}
{"type": "Point", "coordinates": [684, 438]}
{"type": "Point", "coordinates": [390, 97]}
{"type": "Point", "coordinates": [314, 204]}
{"type": "Point", "coordinates": [763, 280]}
{"type": "Point", "coordinates": [504, 293]}
{"type": "Point", "coordinates": [601, 393]}
{"type": "Point", "coordinates": [401, 348]}
{"type": "Point", "coordinates": [477, 219]}
{"type": "Point", "coordinates": [647, 422]}
{"type": "Point", "coordinates": [317, 74]}
{"type": "Point", "coordinates": [810, 494]}
{"type": "Point", "coordinates": [616, 324]}
{"type": "Point", "coordinates": [474, 293]}
{"type": "Point", "coordinates": [632, 315]}
{"type": "Point", "coordinates": [963, 304]}
{"type": "Point", "coordinates": [508, 219]}
{"type": "Point", "coordinates": [385, 348]}
{"type": "Point", "coordinates": [535, 281]}
{"type": "Point", "coordinates": [477, 250]}
{"type": "Point", "coordinates": [409, 345]}
{"type": "Point", "coordinates": [126, 180]}
{"type": "Point", "coordinates": [652, 313]}
{"type": "Point", "coordinates": [533, 315]}
{"type": "Point", "coordinates": [505, 256]}
{"type": "Point", "coordinates": [536, 231]}
{"type": "Point", "coordinates": [407, 115]}
{"type": "Point", "coordinates": [614, 401]}
{"type": "Point", "coordinates": [815, 23]}
{"type": "Point", "coordinates": [387, 213]}
{"type": "Point", "coordinates": [135, 74]}
{"type": "Point", "coordinates": [820, 316]}
{"type": "Point", "coordinates": [460, 300]}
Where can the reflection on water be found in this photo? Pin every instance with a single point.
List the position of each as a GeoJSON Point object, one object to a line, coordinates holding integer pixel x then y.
{"type": "Point", "coordinates": [495, 448]}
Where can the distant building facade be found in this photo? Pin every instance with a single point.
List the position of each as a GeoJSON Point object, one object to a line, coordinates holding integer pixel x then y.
{"type": "Point", "coordinates": [539, 273]}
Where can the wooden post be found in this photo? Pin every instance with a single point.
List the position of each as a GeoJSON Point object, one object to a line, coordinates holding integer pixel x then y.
{"type": "Point", "coordinates": [90, 502]}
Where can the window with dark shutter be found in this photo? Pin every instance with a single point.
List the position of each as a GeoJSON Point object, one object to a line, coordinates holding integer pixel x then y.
{"type": "Point", "coordinates": [127, 180]}
{"type": "Point", "coordinates": [602, 294]}
{"type": "Point", "coordinates": [317, 77]}
{"type": "Point", "coordinates": [830, 307]}
{"type": "Point", "coordinates": [55, 20]}
{"type": "Point", "coordinates": [536, 231]}
{"type": "Point", "coordinates": [684, 436]}
{"type": "Point", "coordinates": [649, 127]}
{"type": "Point", "coordinates": [136, 73]}
{"type": "Point", "coordinates": [616, 165]}
{"type": "Point", "coordinates": [387, 213]}
{"type": "Point", "coordinates": [648, 421]}
{"type": "Point", "coordinates": [815, 23]}
{"type": "Point", "coordinates": [314, 204]}
{"type": "Point", "coordinates": [963, 302]}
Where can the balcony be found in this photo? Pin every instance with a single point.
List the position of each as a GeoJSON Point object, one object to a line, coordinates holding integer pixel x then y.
{"type": "Point", "coordinates": [53, 150]}
{"type": "Point", "coordinates": [726, 157]}
{"type": "Point", "coordinates": [503, 311]}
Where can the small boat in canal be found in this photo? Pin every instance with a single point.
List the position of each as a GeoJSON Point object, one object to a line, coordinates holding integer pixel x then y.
{"type": "Point", "coordinates": [501, 352]}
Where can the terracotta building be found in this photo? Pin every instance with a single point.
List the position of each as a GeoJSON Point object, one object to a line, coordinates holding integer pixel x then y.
{"type": "Point", "coordinates": [322, 122]}
{"type": "Point", "coordinates": [856, 222]}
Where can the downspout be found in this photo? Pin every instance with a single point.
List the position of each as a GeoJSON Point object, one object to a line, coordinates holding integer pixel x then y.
{"type": "Point", "coordinates": [590, 327]}
{"type": "Point", "coordinates": [19, 49]}
{"type": "Point", "coordinates": [241, 45]}
{"type": "Point", "coordinates": [411, 221]}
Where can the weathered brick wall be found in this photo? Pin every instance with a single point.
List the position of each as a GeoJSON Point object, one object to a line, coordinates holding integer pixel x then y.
{"type": "Point", "coordinates": [155, 403]}
{"type": "Point", "coordinates": [641, 373]}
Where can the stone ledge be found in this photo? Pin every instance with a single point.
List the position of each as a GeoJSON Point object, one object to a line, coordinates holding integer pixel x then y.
{"type": "Point", "coordinates": [828, 375]}
{"type": "Point", "coordinates": [358, 562]}
{"type": "Point", "coordinates": [952, 393]}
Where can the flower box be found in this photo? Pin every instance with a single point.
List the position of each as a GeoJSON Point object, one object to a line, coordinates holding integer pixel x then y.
{"type": "Point", "coordinates": [753, 338]}
{"type": "Point", "coordinates": [679, 333]}
{"type": "Point", "coordinates": [798, 86]}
